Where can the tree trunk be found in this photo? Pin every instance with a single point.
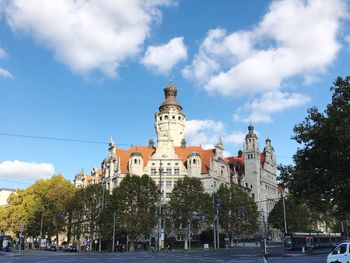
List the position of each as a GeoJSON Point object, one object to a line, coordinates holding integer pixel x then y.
{"type": "Point", "coordinates": [69, 227]}
{"type": "Point", "coordinates": [132, 247]}
{"type": "Point", "coordinates": [57, 237]}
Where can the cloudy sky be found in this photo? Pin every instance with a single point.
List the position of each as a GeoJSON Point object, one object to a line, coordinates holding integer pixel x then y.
{"type": "Point", "coordinates": [87, 70]}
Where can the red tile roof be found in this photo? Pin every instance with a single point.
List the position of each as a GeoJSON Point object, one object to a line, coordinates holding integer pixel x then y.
{"type": "Point", "coordinates": [124, 156]}
{"type": "Point", "coordinates": [206, 156]}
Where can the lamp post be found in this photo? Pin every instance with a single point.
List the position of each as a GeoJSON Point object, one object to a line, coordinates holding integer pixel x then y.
{"type": "Point", "coordinates": [41, 228]}
{"type": "Point", "coordinates": [113, 243]}
{"type": "Point", "coordinates": [218, 205]}
{"type": "Point", "coordinates": [160, 207]}
{"type": "Point", "coordinates": [214, 222]}
{"type": "Point", "coordinates": [284, 214]}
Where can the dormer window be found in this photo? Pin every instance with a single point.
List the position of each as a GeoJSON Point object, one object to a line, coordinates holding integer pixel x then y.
{"type": "Point", "coordinates": [135, 161]}
{"type": "Point", "coordinates": [166, 117]}
{"type": "Point", "coordinates": [160, 118]}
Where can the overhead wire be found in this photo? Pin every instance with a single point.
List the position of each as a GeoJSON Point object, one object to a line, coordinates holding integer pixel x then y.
{"type": "Point", "coordinates": [82, 141]}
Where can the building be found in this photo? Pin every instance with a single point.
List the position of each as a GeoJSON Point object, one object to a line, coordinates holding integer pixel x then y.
{"type": "Point", "coordinates": [5, 194]}
{"type": "Point", "coordinates": [251, 169]}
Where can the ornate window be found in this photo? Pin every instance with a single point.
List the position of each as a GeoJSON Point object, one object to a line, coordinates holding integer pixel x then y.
{"type": "Point", "coordinates": [176, 171]}
{"type": "Point", "coordinates": [153, 171]}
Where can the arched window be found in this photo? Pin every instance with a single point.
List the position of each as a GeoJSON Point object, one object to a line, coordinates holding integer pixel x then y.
{"type": "Point", "coordinates": [166, 117]}
{"type": "Point", "coordinates": [135, 161]}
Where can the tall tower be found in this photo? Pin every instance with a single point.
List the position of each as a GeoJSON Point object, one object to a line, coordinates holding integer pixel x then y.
{"type": "Point", "coordinates": [170, 121]}
{"type": "Point", "coordinates": [252, 162]}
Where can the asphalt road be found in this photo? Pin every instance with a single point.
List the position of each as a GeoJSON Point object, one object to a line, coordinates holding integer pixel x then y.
{"type": "Point", "coordinates": [231, 255]}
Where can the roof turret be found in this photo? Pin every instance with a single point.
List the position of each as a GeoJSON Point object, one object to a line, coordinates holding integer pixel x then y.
{"type": "Point", "coordinates": [170, 93]}
{"type": "Point", "coordinates": [251, 133]}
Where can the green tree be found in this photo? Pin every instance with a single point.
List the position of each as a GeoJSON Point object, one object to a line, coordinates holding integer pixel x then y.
{"type": "Point", "coordinates": [238, 213]}
{"type": "Point", "coordinates": [187, 201]}
{"type": "Point", "coordinates": [135, 202]}
{"type": "Point", "coordinates": [320, 175]}
{"type": "Point", "coordinates": [93, 200]}
{"type": "Point", "coordinates": [298, 216]}
{"type": "Point", "coordinates": [45, 198]}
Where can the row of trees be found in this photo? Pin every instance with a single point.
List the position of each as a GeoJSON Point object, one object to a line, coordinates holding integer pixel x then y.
{"type": "Point", "coordinates": [319, 180]}
{"type": "Point", "coordinates": [91, 211]}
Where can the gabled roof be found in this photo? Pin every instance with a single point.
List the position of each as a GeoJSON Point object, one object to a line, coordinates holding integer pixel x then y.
{"type": "Point", "coordinates": [124, 155]}
{"type": "Point", "coordinates": [206, 156]}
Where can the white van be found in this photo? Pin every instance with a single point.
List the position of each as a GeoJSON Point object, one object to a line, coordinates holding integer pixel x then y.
{"type": "Point", "coordinates": [341, 254]}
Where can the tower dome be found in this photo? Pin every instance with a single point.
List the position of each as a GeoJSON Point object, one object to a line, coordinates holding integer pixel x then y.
{"type": "Point", "coordinates": [170, 93]}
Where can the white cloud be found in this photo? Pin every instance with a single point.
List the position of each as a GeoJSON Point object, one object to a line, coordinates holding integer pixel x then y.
{"type": "Point", "coordinates": [294, 38]}
{"type": "Point", "coordinates": [207, 132]}
{"type": "Point", "coordinates": [4, 72]}
{"type": "Point", "coordinates": [86, 35]}
{"type": "Point", "coordinates": [24, 171]}
{"type": "Point", "coordinates": [260, 110]}
{"type": "Point", "coordinates": [2, 53]}
{"type": "Point", "coordinates": [163, 58]}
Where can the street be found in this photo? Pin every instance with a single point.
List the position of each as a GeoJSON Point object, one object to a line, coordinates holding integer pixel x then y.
{"type": "Point", "coordinates": [236, 255]}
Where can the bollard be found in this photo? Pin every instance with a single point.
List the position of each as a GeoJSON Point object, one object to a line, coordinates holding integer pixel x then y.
{"type": "Point", "coordinates": [303, 249]}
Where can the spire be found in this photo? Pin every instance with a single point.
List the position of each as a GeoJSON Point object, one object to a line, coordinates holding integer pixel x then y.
{"type": "Point", "coordinates": [219, 144]}
{"type": "Point", "coordinates": [111, 142]}
{"type": "Point", "coordinates": [251, 133]}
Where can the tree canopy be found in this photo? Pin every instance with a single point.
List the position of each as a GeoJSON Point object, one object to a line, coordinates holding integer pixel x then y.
{"type": "Point", "coordinates": [238, 212]}
{"type": "Point", "coordinates": [188, 200]}
{"type": "Point", "coordinates": [320, 176]}
{"type": "Point", "coordinates": [135, 201]}
{"type": "Point", "coordinates": [299, 217]}
{"type": "Point", "coordinates": [46, 199]}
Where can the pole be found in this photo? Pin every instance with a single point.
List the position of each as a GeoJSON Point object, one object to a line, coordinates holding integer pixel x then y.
{"type": "Point", "coordinates": [113, 243]}
{"type": "Point", "coordinates": [20, 242]}
{"type": "Point", "coordinates": [214, 221]}
{"type": "Point", "coordinates": [189, 236]}
{"type": "Point", "coordinates": [41, 228]}
{"type": "Point", "coordinates": [284, 215]}
{"type": "Point", "coordinates": [217, 230]}
{"type": "Point", "coordinates": [160, 207]}
{"type": "Point", "coordinates": [99, 228]}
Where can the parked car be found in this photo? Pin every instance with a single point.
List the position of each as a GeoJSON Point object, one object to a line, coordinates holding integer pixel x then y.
{"type": "Point", "coordinates": [71, 248]}
{"type": "Point", "coordinates": [340, 254]}
{"type": "Point", "coordinates": [52, 247]}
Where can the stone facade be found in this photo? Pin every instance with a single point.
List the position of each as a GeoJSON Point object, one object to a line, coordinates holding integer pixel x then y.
{"type": "Point", "coordinates": [5, 194]}
{"type": "Point", "coordinates": [172, 159]}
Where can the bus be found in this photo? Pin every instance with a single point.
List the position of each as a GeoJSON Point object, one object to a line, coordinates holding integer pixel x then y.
{"type": "Point", "coordinates": [298, 240]}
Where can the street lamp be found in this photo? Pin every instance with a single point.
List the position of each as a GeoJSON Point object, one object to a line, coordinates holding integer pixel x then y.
{"type": "Point", "coordinates": [160, 230]}
{"type": "Point", "coordinates": [218, 205]}
{"type": "Point", "coordinates": [284, 214]}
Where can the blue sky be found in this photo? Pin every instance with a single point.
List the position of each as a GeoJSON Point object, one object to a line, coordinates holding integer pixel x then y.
{"type": "Point", "coordinates": [88, 70]}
